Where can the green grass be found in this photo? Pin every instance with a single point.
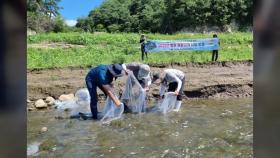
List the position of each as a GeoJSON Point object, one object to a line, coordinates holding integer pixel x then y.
{"type": "Point", "coordinates": [105, 48]}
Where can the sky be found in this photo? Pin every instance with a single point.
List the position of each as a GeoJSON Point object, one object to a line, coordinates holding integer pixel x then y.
{"type": "Point", "coordinates": [73, 9]}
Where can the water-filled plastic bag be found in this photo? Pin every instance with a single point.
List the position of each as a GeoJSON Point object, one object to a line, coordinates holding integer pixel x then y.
{"type": "Point", "coordinates": [79, 104]}
{"type": "Point", "coordinates": [83, 96]}
{"type": "Point", "coordinates": [168, 103]}
{"type": "Point", "coordinates": [111, 111]}
{"type": "Point", "coordinates": [134, 95]}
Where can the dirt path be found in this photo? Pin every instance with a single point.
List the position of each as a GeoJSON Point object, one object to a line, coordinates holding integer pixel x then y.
{"type": "Point", "coordinates": [218, 80]}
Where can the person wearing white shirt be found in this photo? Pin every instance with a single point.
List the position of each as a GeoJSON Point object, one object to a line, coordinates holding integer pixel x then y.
{"type": "Point", "coordinates": [172, 80]}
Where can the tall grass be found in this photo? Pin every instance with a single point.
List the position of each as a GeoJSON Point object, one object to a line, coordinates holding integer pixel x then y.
{"type": "Point", "coordinates": [108, 48]}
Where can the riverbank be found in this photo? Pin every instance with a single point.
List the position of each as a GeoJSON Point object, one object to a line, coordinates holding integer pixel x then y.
{"type": "Point", "coordinates": [204, 80]}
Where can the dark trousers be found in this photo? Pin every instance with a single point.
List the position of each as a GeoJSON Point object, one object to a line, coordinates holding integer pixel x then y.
{"type": "Point", "coordinates": [142, 83]}
{"type": "Point", "coordinates": [144, 52]}
{"type": "Point", "coordinates": [92, 89]}
{"type": "Point", "coordinates": [214, 55]}
{"type": "Point", "coordinates": [173, 86]}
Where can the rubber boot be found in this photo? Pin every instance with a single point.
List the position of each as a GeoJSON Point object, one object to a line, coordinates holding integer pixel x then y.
{"type": "Point", "coordinates": [177, 106]}
{"type": "Point", "coordinates": [126, 109]}
{"type": "Point", "coordinates": [86, 116]}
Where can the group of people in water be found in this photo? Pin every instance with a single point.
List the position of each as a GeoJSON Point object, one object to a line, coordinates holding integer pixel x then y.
{"type": "Point", "coordinates": [103, 76]}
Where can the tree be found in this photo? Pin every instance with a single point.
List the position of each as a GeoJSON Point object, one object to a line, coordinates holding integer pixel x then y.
{"type": "Point", "coordinates": [41, 15]}
{"type": "Point", "coordinates": [59, 24]}
{"type": "Point", "coordinates": [168, 16]}
{"type": "Point", "coordinates": [85, 24]}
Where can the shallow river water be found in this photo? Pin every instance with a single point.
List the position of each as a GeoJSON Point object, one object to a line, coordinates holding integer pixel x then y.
{"type": "Point", "coordinates": [202, 128]}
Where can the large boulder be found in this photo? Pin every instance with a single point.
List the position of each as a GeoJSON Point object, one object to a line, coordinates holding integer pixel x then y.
{"type": "Point", "coordinates": [40, 104]}
{"type": "Point", "coordinates": [50, 101]}
{"type": "Point", "coordinates": [65, 97]}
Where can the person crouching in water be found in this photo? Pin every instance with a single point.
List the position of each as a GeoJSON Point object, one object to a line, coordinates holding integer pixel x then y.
{"type": "Point", "coordinates": [172, 79]}
{"type": "Point", "coordinates": [102, 77]}
{"type": "Point", "coordinates": [142, 74]}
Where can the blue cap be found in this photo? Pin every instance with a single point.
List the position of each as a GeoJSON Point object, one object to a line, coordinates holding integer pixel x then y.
{"type": "Point", "coordinates": [116, 70]}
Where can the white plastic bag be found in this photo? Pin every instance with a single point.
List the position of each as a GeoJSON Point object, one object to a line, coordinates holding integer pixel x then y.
{"type": "Point", "coordinates": [83, 96]}
{"type": "Point", "coordinates": [168, 103]}
{"type": "Point", "coordinates": [134, 95]}
{"type": "Point", "coordinates": [111, 111]}
{"type": "Point", "coordinates": [79, 104]}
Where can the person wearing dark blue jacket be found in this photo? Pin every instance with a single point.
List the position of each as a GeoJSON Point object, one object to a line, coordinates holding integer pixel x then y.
{"type": "Point", "coordinates": [102, 77]}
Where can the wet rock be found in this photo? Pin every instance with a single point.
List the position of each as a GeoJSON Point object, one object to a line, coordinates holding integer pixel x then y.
{"type": "Point", "coordinates": [40, 104]}
{"type": "Point", "coordinates": [47, 145]}
{"type": "Point", "coordinates": [59, 117]}
{"type": "Point", "coordinates": [31, 109]}
{"type": "Point", "coordinates": [226, 113]}
{"type": "Point", "coordinates": [249, 138]}
{"type": "Point", "coordinates": [50, 101]}
{"type": "Point", "coordinates": [65, 97]}
{"type": "Point", "coordinates": [44, 129]}
{"type": "Point", "coordinates": [201, 146]}
{"type": "Point", "coordinates": [132, 153]}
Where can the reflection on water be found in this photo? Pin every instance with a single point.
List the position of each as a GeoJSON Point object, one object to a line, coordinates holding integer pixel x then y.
{"type": "Point", "coordinates": [203, 128]}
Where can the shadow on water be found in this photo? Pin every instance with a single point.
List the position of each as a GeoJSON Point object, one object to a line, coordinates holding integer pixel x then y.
{"type": "Point", "coordinates": [203, 128]}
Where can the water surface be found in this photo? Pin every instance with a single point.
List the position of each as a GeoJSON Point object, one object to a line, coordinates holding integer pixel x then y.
{"type": "Point", "coordinates": [203, 128]}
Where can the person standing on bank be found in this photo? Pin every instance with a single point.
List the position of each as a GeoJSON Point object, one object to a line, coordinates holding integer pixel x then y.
{"type": "Point", "coordinates": [215, 52]}
{"type": "Point", "coordinates": [172, 79]}
{"type": "Point", "coordinates": [142, 42]}
{"type": "Point", "coordinates": [102, 77]}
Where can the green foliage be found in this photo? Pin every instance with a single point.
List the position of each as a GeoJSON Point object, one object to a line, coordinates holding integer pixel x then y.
{"type": "Point", "coordinates": [43, 16]}
{"type": "Point", "coordinates": [59, 24]}
{"type": "Point", "coordinates": [38, 22]}
{"type": "Point", "coordinates": [113, 28]}
{"type": "Point", "coordinates": [85, 24]}
{"type": "Point", "coordinates": [106, 48]}
{"type": "Point", "coordinates": [100, 28]}
{"type": "Point", "coordinates": [45, 7]}
{"type": "Point", "coordinates": [169, 16]}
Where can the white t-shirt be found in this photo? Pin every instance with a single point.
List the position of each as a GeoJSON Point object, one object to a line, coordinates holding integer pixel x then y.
{"type": "Point", "coordinates": [169, 76]}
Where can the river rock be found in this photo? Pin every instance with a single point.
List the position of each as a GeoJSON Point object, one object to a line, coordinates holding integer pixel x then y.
{"type": "Point", "coordinates": [44, 129]}
{"type": "Point", "coordinates": [65, 97]}
{"type": "Point", "coordinates": [50, 101]}
{"type": "Point", "coordinates": [40, 104]}
{"type": "Point", "coordinates": [31, 109]}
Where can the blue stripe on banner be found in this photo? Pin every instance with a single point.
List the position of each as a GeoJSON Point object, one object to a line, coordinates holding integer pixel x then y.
{"type": "Point", "coordinates": [182, 45]}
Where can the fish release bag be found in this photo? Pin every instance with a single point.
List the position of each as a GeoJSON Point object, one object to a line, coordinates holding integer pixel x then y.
{"type": "Point", "coordinates": [134, 95]}
{"type": "Point", "coordinates": [167, 104]}
{"type": "Point", "coordinates": [79, 104]}
{"type": "Point", "coordinates": [111, 111]}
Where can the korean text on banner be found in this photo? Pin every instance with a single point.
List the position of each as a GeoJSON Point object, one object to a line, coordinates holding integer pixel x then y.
{"type": "Point", "coordinates": [182, 45]}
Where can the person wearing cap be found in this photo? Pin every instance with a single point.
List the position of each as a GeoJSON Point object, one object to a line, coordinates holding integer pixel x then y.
{"type": "Point", "coordinates": [172, 79]}
{"type": "Point", "coordinates": [141, 72]}
{"type": "Point", "coordinates": [102, 77]}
